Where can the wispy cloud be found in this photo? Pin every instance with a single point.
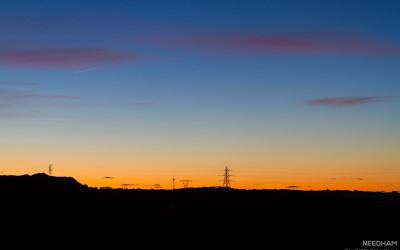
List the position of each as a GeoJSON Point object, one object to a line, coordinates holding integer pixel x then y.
{"type": "Point", "coordinates": [21, 83]}
{"type": "Point", "coordinates": [310, 43]}
{"type": "Point", "coordinates": [88, 69]}
{"type": "Point", "coordinates": [43, 97]}
{"type": "Point", "coordinates": [157, 186]}
{"type": "Point", "coordinates": [140, 103]}
{"type": "Point", "coordinates": [8, 95]}
{"type": "Point", "coordinates": [13, 100]}
{"type": "Point", "coordinates": [14, 115]}
{"type": "Point", "coordinates": [39, 104]}
{"type": "Point", "coordinates": [347, 178]}
{"type": "Point", "coordinates": [293, 186]}
{"type": "Point", "coordinates": [347, 101]}
{"type": "Point", "coordinates": [39, 56]}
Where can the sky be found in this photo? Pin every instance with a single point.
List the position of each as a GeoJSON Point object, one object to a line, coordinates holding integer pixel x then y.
{"type": "Point", "coordinates": [287, 94]}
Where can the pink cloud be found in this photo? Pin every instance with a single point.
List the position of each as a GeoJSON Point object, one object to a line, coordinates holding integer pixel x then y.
{"type": "Point", "coordinates": [307, 43]}
{"type": "Point", "coordinates": [347, 101]}
{"type": "Point", "coordinates": [35, 56]}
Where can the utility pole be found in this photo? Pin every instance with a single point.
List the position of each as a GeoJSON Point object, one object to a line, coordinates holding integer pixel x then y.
{"type": "Point", "coordinates": [50, 171]}
{"type": "Point", "coordinates": [226, 175]}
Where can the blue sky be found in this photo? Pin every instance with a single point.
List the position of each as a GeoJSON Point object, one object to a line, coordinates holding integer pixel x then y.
{"type": "Point", "coordinates": [187, 77]}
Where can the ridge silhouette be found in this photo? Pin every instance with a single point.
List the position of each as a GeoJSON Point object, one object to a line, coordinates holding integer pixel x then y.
{"type": "Point", "coordinates": [62, 209]}
{"type": "Point", "coordinates": [39, 181]}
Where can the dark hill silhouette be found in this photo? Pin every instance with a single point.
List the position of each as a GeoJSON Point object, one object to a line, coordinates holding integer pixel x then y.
{"type": "Point", "coordinates": [39, 181]}
{"type": "Point", "coordinates": [269, 219]}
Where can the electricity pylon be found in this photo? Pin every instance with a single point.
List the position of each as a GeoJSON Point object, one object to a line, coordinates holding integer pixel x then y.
{"type": "Point", "coordinates": [226, 175]}
{"type": "Point", "coordinates": [185, 183]}
{"type": "Point", "coordinates": [50, 171]}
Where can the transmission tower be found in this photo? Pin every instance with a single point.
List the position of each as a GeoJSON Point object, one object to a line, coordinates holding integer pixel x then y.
{"type": "Point", "coordinates": [185, 183]}
{"type": "Point", "coordinates": [50, 170]}
{"type": "Point", "coordinates": [226, 175]}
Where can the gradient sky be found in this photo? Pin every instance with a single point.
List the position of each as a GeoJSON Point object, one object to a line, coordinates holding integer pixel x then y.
{"type": "Point", "coordinates": [288, 94]}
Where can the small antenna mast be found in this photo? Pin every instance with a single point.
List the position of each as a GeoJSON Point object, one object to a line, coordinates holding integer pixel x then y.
{"type": "Point", "coordinates": [50, 170]}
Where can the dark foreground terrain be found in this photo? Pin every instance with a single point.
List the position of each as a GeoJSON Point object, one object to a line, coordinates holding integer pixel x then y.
{"type": "Point", "coordinates": [44, 208]}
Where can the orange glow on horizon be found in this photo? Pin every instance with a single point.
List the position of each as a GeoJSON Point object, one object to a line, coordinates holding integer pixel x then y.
{"type": "Point", "coordinates": [251, 169]}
